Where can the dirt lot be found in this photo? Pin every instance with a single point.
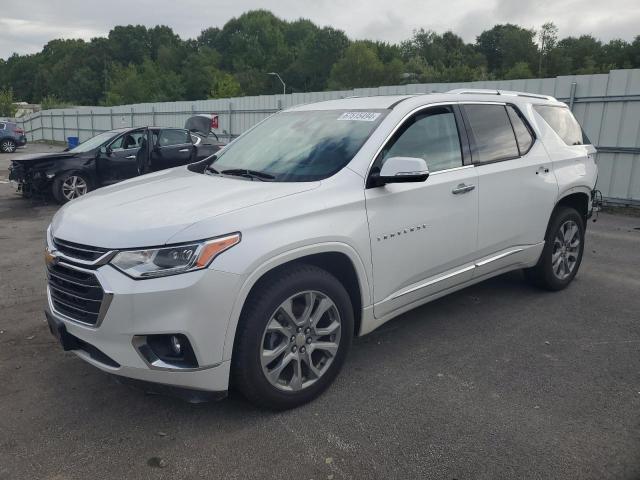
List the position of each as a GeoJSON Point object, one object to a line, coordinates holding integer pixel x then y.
{"type": "Point", "coordinates": [497, 381]}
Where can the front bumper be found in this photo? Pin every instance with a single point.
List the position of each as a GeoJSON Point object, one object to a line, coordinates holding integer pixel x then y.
{"type": "Point", "coordinates": [197, 305]}
{"type": "Point", "coordinates": [27, 181]}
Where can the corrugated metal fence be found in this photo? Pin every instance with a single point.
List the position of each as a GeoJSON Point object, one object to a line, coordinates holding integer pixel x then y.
{"type": "Point", "coordinates": [607, 106]}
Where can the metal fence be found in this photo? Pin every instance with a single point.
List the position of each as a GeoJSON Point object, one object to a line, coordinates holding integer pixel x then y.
{"type": "Point", "coordinates": [607, 106]}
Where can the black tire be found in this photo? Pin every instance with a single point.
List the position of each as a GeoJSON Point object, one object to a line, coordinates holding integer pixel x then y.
{"type": "Point", "coordinates": [247, 373]}
{"type": "Point", "coordinates": [8, 145]}
{"type": "Point", "coordinates": [543, 275]}
{"type": "Point", "coordinates": [59, 181]}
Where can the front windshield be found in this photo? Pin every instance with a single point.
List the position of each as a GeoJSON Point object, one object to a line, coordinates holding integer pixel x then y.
{"type": "Point", "coordinates": [94, 142]}
{"type": "Point", "coordinates": [301, 146]}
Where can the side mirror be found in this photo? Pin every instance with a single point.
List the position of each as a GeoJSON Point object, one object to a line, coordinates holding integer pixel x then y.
{"type": "Point", "coordinates": [105, 150]}
{"type": "Point", "coordinates": [402, 170]}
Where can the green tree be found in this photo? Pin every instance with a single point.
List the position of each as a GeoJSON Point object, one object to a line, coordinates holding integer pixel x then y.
{"type": "Point", "coordinates": [360, 67]}
{"type": "Point", "coordinates": [548, 38]}
{"type": "Point", "coordinates": [203, 73]}
{"type": "Point", "coordinates": [7, 108]}
{"type": "Point", "coordinates": [144, 83]}
{"type": "Point", "coordinates": [505, 45]}
{"type": "Point", "coordinates": [135, 63]}
{"type": "Point", "coordinates": [519, 70]}
{"type": "Point", "coordinates": [617, 54]}
{"type": "Point", "coordinates": [225, 86]}
{"type": "Point", "coordinates": [51, 101]}
{"type": "Point", "coordinates": [208, 38]}
{"type": "Point", "coordinates": [577, 55]}
{"type": "Point", "coordinates": [129, 44]}
{"type": "Point", "coordinates": [314, 59]}
{"type": "Point", "coordinates": [255, 40]}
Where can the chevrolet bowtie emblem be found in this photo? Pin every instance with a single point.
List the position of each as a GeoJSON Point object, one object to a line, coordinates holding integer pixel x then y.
{"type": "Point", "coordinates": [49, 258]}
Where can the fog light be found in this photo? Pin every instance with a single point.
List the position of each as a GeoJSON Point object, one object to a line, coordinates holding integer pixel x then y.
{"type": "Point", "coordinates": [169, 351]}
{"type": "Point", "coordinates": [175, 345]}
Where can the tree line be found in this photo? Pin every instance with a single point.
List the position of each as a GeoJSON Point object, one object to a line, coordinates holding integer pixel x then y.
{"type": "Point", "coordinates": [138, 64]}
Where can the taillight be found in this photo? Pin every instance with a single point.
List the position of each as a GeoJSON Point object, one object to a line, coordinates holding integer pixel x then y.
{"type": "Point", "coordinates": [19, 131]}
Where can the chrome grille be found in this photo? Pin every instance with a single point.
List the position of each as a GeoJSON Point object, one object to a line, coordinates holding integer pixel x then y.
{"type": "Point", "coordinates": [78, 251]}
{"type": "Point", "coordinates": [75, 293]}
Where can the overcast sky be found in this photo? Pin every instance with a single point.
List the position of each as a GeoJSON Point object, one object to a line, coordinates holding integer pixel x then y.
{"type": "Point", "coordinates": [25, 26]}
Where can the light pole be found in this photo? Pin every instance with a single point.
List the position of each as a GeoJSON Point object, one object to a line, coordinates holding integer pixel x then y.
{"type": "Point", "coordinates": [284, 86]}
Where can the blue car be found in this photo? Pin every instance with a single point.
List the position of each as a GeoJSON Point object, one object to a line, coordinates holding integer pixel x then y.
{"type": "Point", "coordinates": [11, 137]}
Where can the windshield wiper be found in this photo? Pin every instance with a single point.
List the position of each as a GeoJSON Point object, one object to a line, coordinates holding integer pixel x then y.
{"type": "Point", "coordinates": [243, 172]}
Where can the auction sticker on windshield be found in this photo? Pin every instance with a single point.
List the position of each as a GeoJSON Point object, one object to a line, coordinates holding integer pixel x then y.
{"type": "Point", "coordinates": [359, 116]}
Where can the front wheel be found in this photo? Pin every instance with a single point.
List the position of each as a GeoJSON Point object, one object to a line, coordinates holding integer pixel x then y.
{"type": "Point", "coordinates": [293, 338]}
{"type": "Point", "coordinates": [8, 146]}
{"type": "Point", "coordinates": [70, 185]}
{"type": "Point", "coordinates": [562, 253]}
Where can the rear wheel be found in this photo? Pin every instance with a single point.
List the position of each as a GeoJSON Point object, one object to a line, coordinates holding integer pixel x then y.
{"type": "Point", "coordinates": [70, 185]}
{"type": "Point", "coordinates": [8, 146]}
{"type": "Point", "coordinates": [562, 253]}
{"type": "Point", "coordinates": [293, 338]}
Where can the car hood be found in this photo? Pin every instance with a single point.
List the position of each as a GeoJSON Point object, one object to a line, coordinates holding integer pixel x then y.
{"type": "Point", "coordinates": [36, 157]}
{"type": "Point", "coordinates": [149, 210]}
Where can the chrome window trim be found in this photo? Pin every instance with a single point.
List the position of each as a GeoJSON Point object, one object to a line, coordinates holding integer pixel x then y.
{"type": "Point", "coordinates": [527, 125]}
{"type": "Point", "coordinates": [463, 167]}
{"type": "Point", "coordinates": [397, 127]}
{"type": "Point", "coordinates": [477, 102]}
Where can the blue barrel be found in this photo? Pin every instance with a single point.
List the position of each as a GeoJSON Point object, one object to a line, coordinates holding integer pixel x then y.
{"type": "Point", "coordinates": [72, 142]}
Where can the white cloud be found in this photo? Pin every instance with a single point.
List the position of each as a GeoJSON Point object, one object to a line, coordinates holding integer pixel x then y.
{"type": "Point", "coordinates": [26, 26]}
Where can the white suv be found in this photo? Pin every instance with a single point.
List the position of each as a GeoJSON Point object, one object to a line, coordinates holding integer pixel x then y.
{"type": "Point", "coordinates": [257, 267]}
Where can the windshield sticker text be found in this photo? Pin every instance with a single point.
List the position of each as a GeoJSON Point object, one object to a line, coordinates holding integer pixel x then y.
{"type": "Point", "coordinates": [359, 116]}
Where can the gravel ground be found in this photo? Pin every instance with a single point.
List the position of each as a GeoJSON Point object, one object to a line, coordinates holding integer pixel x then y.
{"type": "Point", "coordinates": [497, 381]}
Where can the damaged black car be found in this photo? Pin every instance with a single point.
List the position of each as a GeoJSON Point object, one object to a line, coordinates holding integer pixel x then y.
{"type": "Point", "coordinates": [111, 157]}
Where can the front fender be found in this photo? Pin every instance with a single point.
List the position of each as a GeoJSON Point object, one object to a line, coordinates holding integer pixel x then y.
{"type": "Point", "coordinates": [286, 257]}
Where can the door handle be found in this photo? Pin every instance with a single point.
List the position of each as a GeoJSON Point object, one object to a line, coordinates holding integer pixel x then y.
{"type": "Point", "coordinates": [130, 157]}
{"type": "Point", "coordinates": [182, 150]}
{"type": "Point", "coordinates": [462, 188]}
{"type": "Point", "coordinates": [542, 169]}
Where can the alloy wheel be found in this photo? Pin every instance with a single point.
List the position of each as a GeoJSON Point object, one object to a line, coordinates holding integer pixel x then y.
{"type": "Point", "coordinates": [73, 187]}
{"type": "Point", "coordinates": [8, 146]}
{"type": "Point", "coordinates": [566, 249]}
{"type": "Point", "coordinates": [300, 341]}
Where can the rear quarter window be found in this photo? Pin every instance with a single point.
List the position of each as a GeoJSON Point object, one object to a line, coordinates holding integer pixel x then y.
{"type": "Point", "coordinates": [562, 121]}
{"type": "Point", "coordinates": [520, 128]}
{"type": "Point", "coordinates": [492, 135]}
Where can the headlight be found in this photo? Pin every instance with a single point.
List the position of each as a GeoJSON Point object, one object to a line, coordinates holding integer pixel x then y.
{"type": "Point", "coordinates": [158, 262]}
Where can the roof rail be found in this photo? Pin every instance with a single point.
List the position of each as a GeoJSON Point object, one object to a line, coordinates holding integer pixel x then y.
{"type": "Point", "coordinates": [484, 91]}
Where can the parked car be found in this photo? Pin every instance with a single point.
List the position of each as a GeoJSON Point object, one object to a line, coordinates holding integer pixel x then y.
{"type": "Point", "coordinates": [257, 267]}
{"type": "Point", "coordinates": [108, 158]}
{"type": "Point", "coordinates": [11, 137]}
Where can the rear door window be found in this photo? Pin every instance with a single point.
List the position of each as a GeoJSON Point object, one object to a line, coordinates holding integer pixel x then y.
{"type": "Point", "coordinates": [520, 128]}
{"type": "Point", "coordinates": [173, 137]}
{"type": "Point", "coordinates": [492, 137]}
{"type": "Point", "coordinates": [562, 121]}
